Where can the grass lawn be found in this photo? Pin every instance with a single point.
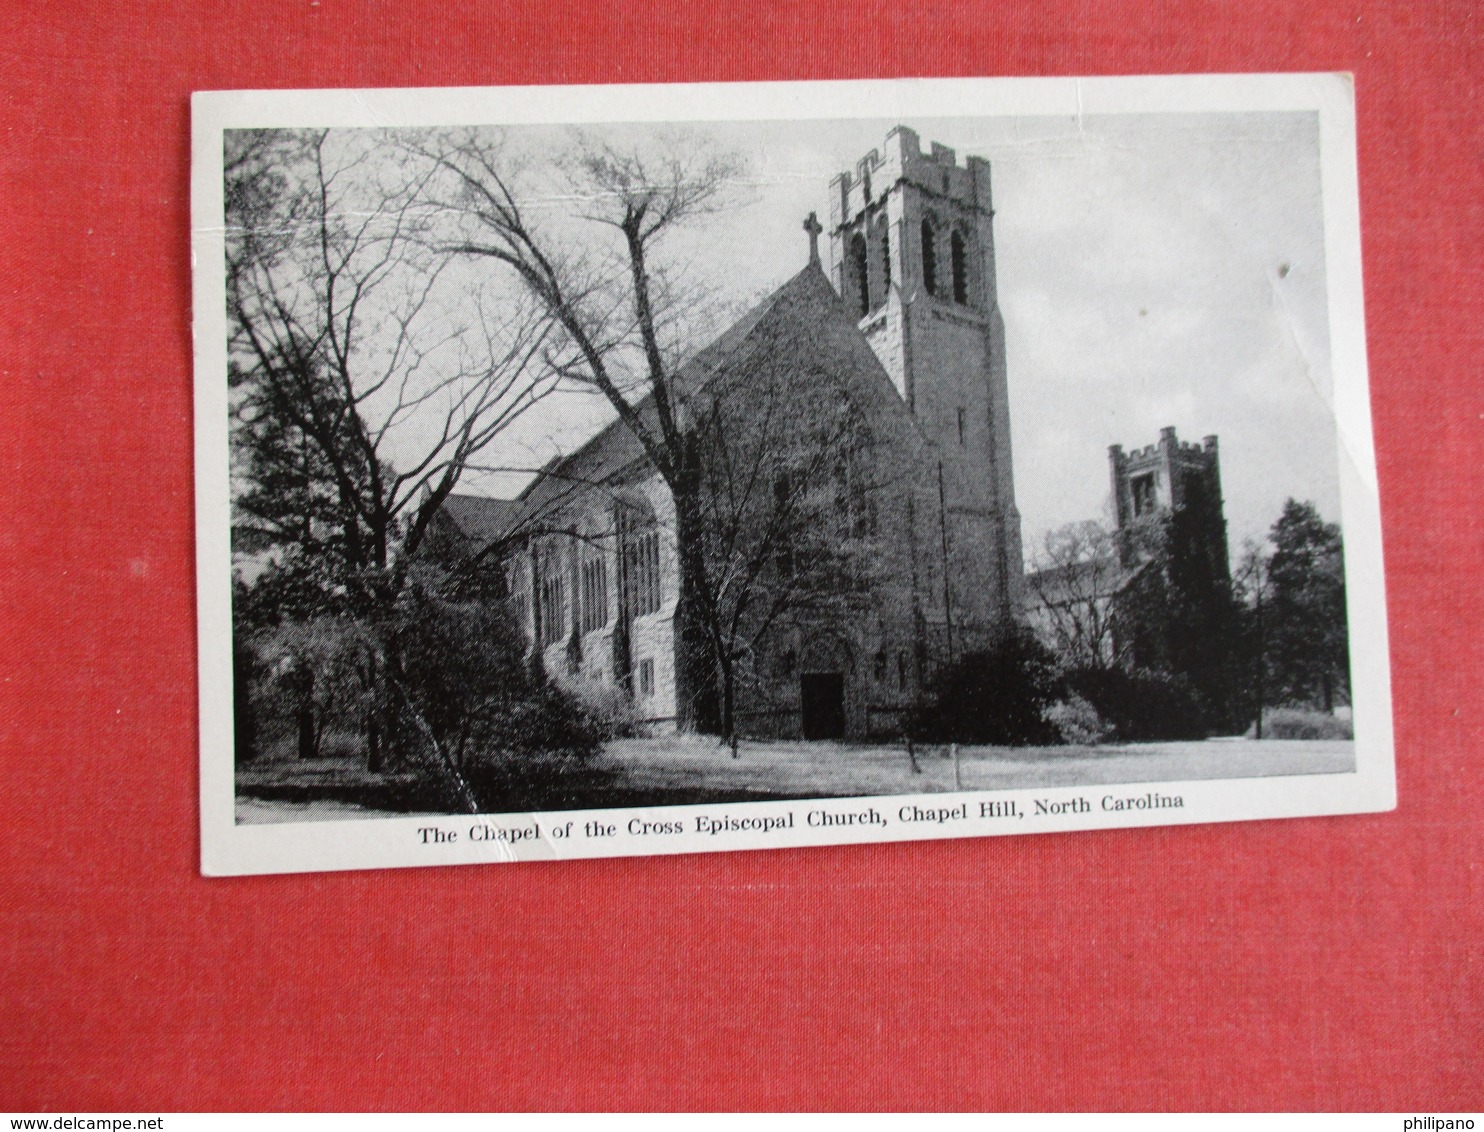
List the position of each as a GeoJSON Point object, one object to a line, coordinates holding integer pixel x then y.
{"type": "Point", "coordinates": [823, 769]}
{"type": "Point", "coordinates": [688, 769]}
{"type": "Point", "coordinates": [283, 777]}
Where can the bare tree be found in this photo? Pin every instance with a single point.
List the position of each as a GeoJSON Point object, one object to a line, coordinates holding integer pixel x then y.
{"type": "Point", "coordinates": [1252, 587]}
{"type": "Point", "coordinates": [354, 348]}
{"type": "Point", "coordinates": [1077, 580]}
{"type": "Point", "coordinates": [366, 374]}
{"type": "Point", "coordinates": [620, 313]}
{"type": "Point", "coordinates": [791, 473]}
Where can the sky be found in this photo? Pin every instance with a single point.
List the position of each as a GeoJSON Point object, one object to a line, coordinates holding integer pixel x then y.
{"type": "Point", "coordinates": [1153, 270]}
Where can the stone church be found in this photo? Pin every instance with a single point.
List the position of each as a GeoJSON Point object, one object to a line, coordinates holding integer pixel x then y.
{"type": "Point", "coordinates": [860, 511]}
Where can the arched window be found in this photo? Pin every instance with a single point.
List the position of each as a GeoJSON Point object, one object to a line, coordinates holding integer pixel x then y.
{"type": "Point", "coordinates": [960, 268]}
{"type": "Point", "coordinates": [883, 236]}
{"type": "Point", "coordinates": [859, 267]}
{"type": "Point", "coordinates": [553, 599]}
{"type": "Point", "coordinates": [520, 599]}
{"type": "Point", "coordinates": [640, 579]}
{"type": "Point", "coordinates": [645, 561]}
{"type": "Point", "coordinates": [594, 594]}
{"type": "Point", "coordinates": [929, 258]}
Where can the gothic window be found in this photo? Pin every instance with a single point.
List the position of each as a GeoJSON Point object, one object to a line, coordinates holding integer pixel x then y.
{"type": "Point", "coordinates": [1142, 488]}
{"type": "Point", "coordinates": [553, 613]}
{"type": "Point", "coordinates": [646, 679]}
{"type": "Point", "coordinates": [901, 672]}
{"type": "Point", "coordinates": [929, 258]}
{"type": "Point", "coordinates": [886, 258]}
{"type": "Point", "coordinates": [879, 666]}
{"type": "Point", "coordinates": [960, 265]}
{"type": "Point", "coordinates": [519, 601]}
{"type": "Point", "coordinates": [638, 562]}
{"type": "Point", "coordinates": [861, 272]}
{"type": "Point", "coordinates": [594, 594]}
{"type": "Point", "coordinates": [644, 572]}
{"type": "Point", "coordinates": [883, 237]}
{"type": "Point", "coordinates": [963, 420]}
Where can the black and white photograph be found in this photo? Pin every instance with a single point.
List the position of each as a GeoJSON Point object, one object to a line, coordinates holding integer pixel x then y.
{"type": "Point", "coordinates": [613, 471]}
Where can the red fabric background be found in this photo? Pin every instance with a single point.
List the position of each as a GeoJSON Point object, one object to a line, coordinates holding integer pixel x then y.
{"type": "Point", "coordinates": [1330, 963]}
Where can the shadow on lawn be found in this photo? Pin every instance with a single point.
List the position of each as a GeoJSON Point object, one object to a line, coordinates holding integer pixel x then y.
{"type": "Point", "coordinates": [539, 783]}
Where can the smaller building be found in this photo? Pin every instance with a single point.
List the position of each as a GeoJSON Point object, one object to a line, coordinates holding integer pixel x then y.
{"type": "Point", "coordinates": [1079, 608]}
{"type": "Point", "coordinates": [1153, 484]}
{"type": "Point", "coordinates": [1155, 591]}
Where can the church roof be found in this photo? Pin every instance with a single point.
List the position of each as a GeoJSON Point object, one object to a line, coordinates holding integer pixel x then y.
{"type": "Point", "coordinates": [810, 283]}
{"type": "Point", "coordinates": [615, 448]}
{"type": "Point", "coordinates": [1080, 581]}
{"type": "Point", "coordinates": [480, 519]}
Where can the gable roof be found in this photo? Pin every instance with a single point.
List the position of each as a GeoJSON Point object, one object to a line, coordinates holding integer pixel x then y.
{"type": "Point", "coordinates": [479, 519]}
{"type": "Point", "coordinates": [1080, 581]}
{"type": "Point", "coordinates": [807, 300]}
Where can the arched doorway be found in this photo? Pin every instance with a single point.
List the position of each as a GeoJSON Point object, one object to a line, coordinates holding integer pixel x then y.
{"type": "Point", "coordinates": [822, 704]}
{"type": "Point", "coordinates": [823, 673]}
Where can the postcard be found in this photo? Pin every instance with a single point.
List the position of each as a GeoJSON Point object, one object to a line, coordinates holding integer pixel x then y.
{"type": "Point", "coordinates": [605, 471]}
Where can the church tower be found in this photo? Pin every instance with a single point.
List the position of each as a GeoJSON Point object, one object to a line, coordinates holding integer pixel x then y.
{"type": "Point", "coordinates": [912, 254]}
{"type": "Point", "coordinates": [1152, 484]}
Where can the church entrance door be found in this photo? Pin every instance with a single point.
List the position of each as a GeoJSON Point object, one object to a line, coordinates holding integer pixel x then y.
{"type": "Point", "coordinates": [822, 697]}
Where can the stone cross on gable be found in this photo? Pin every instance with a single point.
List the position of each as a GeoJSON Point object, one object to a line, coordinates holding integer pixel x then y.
{"type": "Point", "coordinates": [813, 227]}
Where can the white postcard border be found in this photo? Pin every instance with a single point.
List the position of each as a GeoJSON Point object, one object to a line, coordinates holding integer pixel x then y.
{"type": "Point", "coordinates": [231, 849]}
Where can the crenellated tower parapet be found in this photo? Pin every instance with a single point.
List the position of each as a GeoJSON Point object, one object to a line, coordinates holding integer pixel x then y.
{"type": "Point", "coordinates": [1154, 482]}
{"type": "Point", "coordinates": [912, 255]}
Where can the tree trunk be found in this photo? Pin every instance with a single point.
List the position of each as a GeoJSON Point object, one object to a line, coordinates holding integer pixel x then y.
{"type": "Point", "coordinates": [697, 704]}
{"type": "Point", "coordinates": [729, 704]}
{"type": "Point", "coordinates": [307, 742]}
{"type": "Point", "coordinates": [621, 639]}
{"type": "Point", "coordinates": [377, 735]}
{"type": "Point", "coordinates": [300, 681]}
